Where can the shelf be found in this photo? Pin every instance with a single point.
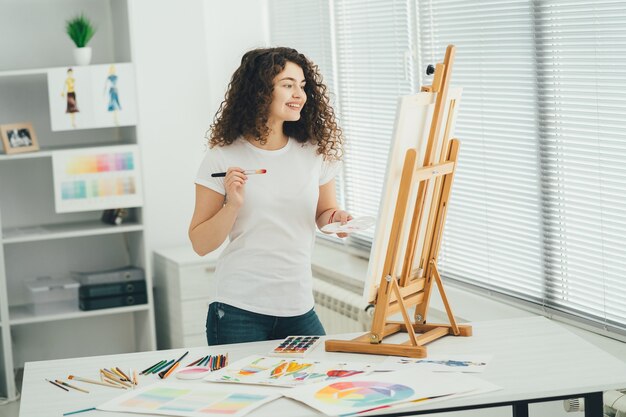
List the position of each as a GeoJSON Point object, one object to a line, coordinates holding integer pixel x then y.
{"type": "Point", "coordinates": [47, 152]}
{"type": "Point", "coordinates": [22, 72]}
{"type": "Point", "coordinates": [65, 230]}
{"type": "Point", "coordinates": [22, 314]}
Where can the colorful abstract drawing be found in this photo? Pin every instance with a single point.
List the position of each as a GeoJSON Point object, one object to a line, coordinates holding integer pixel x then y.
{"type": "Point", "coordinates": [363, 393]}
{"type": "Point", "coordinates": [154, 398]}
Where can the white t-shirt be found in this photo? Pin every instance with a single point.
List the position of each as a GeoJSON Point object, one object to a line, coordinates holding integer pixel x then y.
{"type": "Point", "coordinates": [266, 266]}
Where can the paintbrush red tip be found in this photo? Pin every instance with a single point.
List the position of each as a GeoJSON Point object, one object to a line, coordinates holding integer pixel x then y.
{"type": "Point", "coordinates": [263, 171]}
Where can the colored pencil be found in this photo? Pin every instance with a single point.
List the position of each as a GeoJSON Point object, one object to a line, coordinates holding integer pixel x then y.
{"type": "Point", "coordinates": [197, 361]}
{"type": "Point", "coordinates": [58, 381]}
{"type": "Point", "coordinates": [246, 172]}
{"type": "Point", "coordinates": [165, 365]}
{"type": "Point", "coordinates": [135, 377]}
{"type": "Point", "coordinates": [54, 383]}
{"type": "Point", "coordinates": [147, 370]}
{"type": "Point", "coordinates": [79, 411]}
{"type": "Point", "coordinates": [114, 377]}
{"type": "Point", "coordinates": [113, 382]}
{"type": "Point", "coordinates": [163, 372]}
{"type": "Point", "coordinates": [169, 371]}
{"type": "Point", "coordinates": [91, 381]}
{"type": "Point", "coordinates": [126, 377]}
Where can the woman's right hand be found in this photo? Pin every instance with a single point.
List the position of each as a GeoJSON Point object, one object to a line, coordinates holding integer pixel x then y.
{"type": "Point", "coordinates": [234, 183]}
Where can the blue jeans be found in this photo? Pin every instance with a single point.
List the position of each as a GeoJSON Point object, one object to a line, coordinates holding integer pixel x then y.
{"type": "Point", "coordinates": [226, 324]}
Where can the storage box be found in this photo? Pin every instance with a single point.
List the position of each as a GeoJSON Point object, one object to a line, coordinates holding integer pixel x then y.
{"type": "Point", "coordinates": [48, 295]}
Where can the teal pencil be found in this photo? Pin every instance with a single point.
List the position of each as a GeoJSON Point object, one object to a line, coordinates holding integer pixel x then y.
{"type": "Point", "coordinates": [149, 370]}
{"type": "Point", "coordinates": [79, 411]}
{"type": "Point", "coordinates": [165, 365]}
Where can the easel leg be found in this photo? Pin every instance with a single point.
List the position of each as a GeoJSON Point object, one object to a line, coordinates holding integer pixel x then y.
{"type": "Point", "coordinates": [444, 298]}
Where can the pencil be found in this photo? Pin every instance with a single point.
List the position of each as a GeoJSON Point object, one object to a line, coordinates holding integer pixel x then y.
{"type": "Point", "coordinates": [122, 373]}
{"type": "Point", "coordinates": [197, 362]}
{"type": "Point", "coordinates": [247, 172]}
{"type": "Point", "coordinates": [71, 386]}
{"type": "Point", "coordinates": [169, 371]}
{"type": "Point", "coordinates": [113, 382]}
{"type": "Point", "coordinates": [165, 371]}
{"type": "Point", "coordinates": [165, 365]}
{"type": "Point", "coordinates": [54, 383]}
{"type": "Point", "coordinates": [135, 377]}
{"type": "Point", "coordinates": [147, 370]}
{"type": "Point", "coordinates": [79, 411]}
{"type": "Point", "coordinates": [91, 381]}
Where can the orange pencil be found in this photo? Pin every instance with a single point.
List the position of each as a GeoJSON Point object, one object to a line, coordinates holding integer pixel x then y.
{"type": "Point", "coordinates": [169, 371]}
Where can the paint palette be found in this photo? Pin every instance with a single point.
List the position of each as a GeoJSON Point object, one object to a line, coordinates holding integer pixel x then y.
{"type": "Point", "coordinates": [354, 225]}
{"type": "Point", "coordinates": [193, 372]}
{"type": "Point", "coordinates": [296, 346]}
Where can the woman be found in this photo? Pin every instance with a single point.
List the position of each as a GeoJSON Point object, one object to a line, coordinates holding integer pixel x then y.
{"type": "Point", "coordinates": [275, 117]}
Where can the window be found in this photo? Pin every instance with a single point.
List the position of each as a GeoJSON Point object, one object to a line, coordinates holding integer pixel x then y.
{"type": "Point", "coordinates": [538, 208]}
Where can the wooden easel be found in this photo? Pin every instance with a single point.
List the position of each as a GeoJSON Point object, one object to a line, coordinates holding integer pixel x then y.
{"type": "Point", "coordinates": [401, 290]}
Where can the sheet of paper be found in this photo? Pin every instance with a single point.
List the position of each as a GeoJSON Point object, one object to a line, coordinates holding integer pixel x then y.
{"type": "Point", "coordinates": [380, 390]}
{"type": "Point", "coordinates": [286, 372]}
{"type": "Point", "coordinates": [437, 363]}
{"type": "Point", "coordinates": [193, 399]}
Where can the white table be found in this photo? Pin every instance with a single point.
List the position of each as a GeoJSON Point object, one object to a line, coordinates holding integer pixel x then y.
{"type": "Point", "coordinates": [534, 360]}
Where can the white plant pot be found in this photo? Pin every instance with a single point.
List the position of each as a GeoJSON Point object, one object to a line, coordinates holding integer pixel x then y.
{"type": "Point", "coordinates": [82, 56]}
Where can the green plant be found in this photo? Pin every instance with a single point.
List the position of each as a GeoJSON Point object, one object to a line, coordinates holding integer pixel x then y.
{"type": "Point", "coordinates": [80, 30]}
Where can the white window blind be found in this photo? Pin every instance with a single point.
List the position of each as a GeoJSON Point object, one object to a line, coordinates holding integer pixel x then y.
{"type": "Point", "coordinates": [538, 207]}
{"type": "Point", "coordinates": [581, 52]}
{"type": "Point", "coordinates": [375, 40]}
{"type": "Point", "coordinates": [493, 232]}
{"type": "Point", "coordinates": [304, 25]}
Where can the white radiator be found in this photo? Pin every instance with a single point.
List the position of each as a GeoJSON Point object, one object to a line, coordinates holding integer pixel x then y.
{"type": "Point", "coordinates": [340, 310]}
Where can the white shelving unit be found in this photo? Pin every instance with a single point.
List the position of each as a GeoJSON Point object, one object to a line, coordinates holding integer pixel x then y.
{"type": "Point", "coordinates": [35, 240]}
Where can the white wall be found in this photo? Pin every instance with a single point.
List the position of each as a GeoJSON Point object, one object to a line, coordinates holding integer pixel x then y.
{"type": "Point", "coordinates": [184, 54]}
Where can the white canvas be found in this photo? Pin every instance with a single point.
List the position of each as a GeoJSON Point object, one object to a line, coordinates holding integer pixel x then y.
{"type": "Point", "coordinates": [97, 178]}
{"type": "Point", "coordinates": [114, 102]}
{"type": "Point", "coordinates": [411, 130]}
{"type": "Point", "coordinates": [61, 116]}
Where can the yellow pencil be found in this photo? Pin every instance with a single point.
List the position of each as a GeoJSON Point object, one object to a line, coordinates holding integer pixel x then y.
{"type": "Point", "coordinates": [114, 382]}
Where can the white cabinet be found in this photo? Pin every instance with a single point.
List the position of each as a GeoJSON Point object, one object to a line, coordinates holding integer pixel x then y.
{"type": "Point", "coordinates": [36, 241]}
{"type": "Point", "coordinates": [183, 281]}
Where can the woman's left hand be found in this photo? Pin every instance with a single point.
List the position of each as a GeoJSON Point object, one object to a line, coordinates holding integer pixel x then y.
{"type": "Point", "coordinates": [343, 217]}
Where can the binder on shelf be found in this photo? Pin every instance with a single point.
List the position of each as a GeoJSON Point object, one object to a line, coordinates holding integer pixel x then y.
{"type": "Point", "coordinates": [124, 274]}
{"type": "Point", "coordinates": [108, 290]}
{"type": "Point", "coordinates": [97, 303]}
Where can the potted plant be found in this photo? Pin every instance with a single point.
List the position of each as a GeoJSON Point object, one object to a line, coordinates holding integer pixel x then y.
{"type": "Point", "coordinates": [81, 30]}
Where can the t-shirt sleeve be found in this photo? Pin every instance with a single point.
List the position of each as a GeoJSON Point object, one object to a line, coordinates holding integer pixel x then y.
{"type": "Point", "coordinates": [329, 171]}
{"type": "Point", "coordinates": [212, 162]}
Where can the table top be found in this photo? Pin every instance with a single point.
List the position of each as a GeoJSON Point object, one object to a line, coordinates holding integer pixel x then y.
{"type": "Point", "coordinates": [532, 358]}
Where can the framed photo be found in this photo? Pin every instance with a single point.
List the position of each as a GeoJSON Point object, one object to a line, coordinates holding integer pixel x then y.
{"type": "Point", "coordinates": [18, 137]}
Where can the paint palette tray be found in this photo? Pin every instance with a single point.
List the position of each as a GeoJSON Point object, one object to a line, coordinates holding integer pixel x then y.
{"type": "Point", "coordinates": [296, 346]}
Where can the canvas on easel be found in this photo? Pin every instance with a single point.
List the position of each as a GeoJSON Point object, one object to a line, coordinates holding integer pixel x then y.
{"type": "Point", "coordinates": [403, 261]}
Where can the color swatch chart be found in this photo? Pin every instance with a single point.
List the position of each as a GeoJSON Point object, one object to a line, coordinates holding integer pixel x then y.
{"type": "Point", "coordinates": [107, 162]}
{"type": "Point", "coordinates": [97, 187]}
{"type": "Point", "coordinates": [99, 178]}
{"type": "Point", "coordinates": [186, 400]}
{"type": "Point", "coordinates": [296, 346]}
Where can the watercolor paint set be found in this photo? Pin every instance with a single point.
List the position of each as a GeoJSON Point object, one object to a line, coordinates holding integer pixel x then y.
{"type": "Point", "coordinates": [296, 346]}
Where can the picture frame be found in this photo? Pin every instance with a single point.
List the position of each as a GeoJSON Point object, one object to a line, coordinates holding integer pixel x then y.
{"type": "Point", "coordinates": [18, 138]}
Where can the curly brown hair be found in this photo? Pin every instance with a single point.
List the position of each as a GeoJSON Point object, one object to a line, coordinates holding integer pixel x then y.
{"type": "Point", "coordinates": [245, 109]}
